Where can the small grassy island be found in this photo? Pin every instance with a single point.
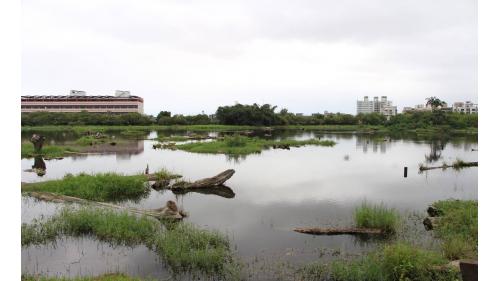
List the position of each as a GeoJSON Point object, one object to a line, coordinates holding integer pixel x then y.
{"type": "Point", "coordinates": [242, 145]}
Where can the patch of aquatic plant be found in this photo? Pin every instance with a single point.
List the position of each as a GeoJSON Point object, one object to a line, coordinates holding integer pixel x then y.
{"type": "Point", "coordinates": [105, 277]}
{"type": "Point", "coordinates": [98, 187]}
{"type": "Point", "coordinates": [135, 133]}
{"type": "Point", "coordinates": [182, 246]}
{"type": "Point", "coordinates": [458, 228]}
{"type": "Point", "coordinates": [242, 145]}
{"type": "Point", "coordinates": [394, 262]}
{"type": "Point", "coordinates": [91, 140]}
{"type": "Point", "coordinates": [457, 165]}
{"type": "Point", "coordinates": [50, 151]}
{"type": "Point", "coordinates": [164, 174]}
{"type": "Point", "coordinates": [376, 216]}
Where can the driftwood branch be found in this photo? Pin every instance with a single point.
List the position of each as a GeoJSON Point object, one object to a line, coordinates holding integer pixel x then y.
{"type": "Point", "coordinates": [170, 211]}
{"type": "Point", "coordinates": [214, 181]}
{"type": "Point", "coordinates": [337, 231]}
{"type": "Point", "coordinates": [445, 166]}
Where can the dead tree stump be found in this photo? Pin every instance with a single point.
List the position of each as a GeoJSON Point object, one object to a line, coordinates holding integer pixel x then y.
{"type": "Point", "coordinates": [37, 141]}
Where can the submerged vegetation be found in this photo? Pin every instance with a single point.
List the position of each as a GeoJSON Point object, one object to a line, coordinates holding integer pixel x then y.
{"type": "Point", "coordinates": [376, 216]}
{"type": "Point", "coordinates": [242, 145]}
{"type": "Point", "coordinates": [98, 187]}
{"type": "Point", "coordinates": [182, 246]}
{"type": "Point", "coordinates": [458, 228]}
{"type": "Point", "coordinates": [393, 262]}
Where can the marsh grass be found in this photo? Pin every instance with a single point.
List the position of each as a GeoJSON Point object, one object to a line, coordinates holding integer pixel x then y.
{"type": "Point", "coordinates": [50, 151]}
{"type": "Point", "coordinates": [376, 216]}
{"type": "Point", "coordinates": [393, 262]}
{"type": "Point", "coordinates": [91, 140]}
{"type": "Point", "coordinates": [137, 134]}
{"type": "Point", "coordinates": [458, 228]}
{"type": "Point", "coordinates": [164, 174]}
{"type": "Point", "coordinates": [98, 187]}
{"type": "Point", "coordinates": [242, 145]}
{"type": "Point", "coordinates": [182, 246]}
{"type": "Point", "coordinates": [105, 277]}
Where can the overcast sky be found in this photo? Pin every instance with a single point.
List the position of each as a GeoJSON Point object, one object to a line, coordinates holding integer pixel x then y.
{"type": "Point", "coordinates": [189, 56]}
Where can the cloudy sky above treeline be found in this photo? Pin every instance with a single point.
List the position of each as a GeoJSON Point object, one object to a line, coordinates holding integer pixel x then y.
{"type": "Point", "coordinates": [189, 56]}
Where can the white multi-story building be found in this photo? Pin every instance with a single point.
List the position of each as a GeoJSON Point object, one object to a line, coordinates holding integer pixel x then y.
{"type": "Point", "coordinates": [382, 106]}
{"type": "Point", "coordinates": [465, 107]}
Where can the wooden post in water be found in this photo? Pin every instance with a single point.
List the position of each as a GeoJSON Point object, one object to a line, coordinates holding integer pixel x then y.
{"type": "Point", "coordinates": [406, 172]}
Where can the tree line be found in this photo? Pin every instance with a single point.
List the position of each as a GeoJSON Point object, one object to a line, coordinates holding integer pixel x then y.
{"type": "Point", "coordinates": [255, 115]}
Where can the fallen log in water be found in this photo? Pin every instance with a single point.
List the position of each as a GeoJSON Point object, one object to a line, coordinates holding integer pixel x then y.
{"type": "Point", "coordinates": [170, 211]}
{"type": "Point", "coordinates": [338, 231]}
{"type": "Point", "coordinates": [457, 165]}
{"type": "Point", "coordinates": [214, 181]}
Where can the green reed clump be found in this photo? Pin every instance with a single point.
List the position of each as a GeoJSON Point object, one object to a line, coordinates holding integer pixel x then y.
{"type": "Point", "coordinates": [458, 228]}
{"type": "Point", "coordinates": [105, 277]}
{"type": "Point", "coordinates": [182, 246]}
{"type": "Point", "coordinates": [187, 248]}
{"type": "Point", "coordinates": [98, 187]}
{"type": "Point", "coordinates": [164, 174]}
{"type": "Point", "coordinates": [376, 216]}
{"type": "Point", "coordinates": [394, 262]}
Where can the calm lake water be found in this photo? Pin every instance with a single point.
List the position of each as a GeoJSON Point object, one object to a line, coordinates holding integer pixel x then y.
{"type": "Point", "coordinates": [275, 191]}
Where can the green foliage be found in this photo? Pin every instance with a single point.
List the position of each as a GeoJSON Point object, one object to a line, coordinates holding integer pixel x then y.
{"type": "Point", "coordinates": [458, 228]}
{"type": "Point", "coordinates": [376, 216]}
{"type": "Point", "coordinates": [255, 115]}
{"type": "Point", "coordinates": [99, 187]}
{"type": "Point", "coordinates": [395, 262]}
{"type": "Point", "coordinates": [179, 119]}
{"type": "Point", "coordinates": [83, 118]}
{"type": "Point", "coordinates": [91, 140]}
{"type": "Point", "coordinates": [183, 246]}
{"type": "Point", "coordinates": [241, 145]}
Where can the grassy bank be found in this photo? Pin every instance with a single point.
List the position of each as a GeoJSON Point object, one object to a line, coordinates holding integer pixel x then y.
{"type": "Point", "coordinates": [222, 128]}
{"type": "Point", "coordinates": [105, 277]}
{"type": "Point", "coordinates": [376, 216]}
{"type": "Point", "coordinates": [48, 151]}
{"type": "Point", "coordinates": [394, 262]}
{"type": "Point", "coordinates": [182, 246]}
{"type": "Point", "coordinates": [240, 145]}
{"type": "Point", "coordinates": [99, 187]}
{"type": "Point", "coordinates": [458, 228]}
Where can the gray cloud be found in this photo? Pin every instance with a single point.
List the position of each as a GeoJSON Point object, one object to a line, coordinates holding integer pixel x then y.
{"type": "Point", "coordinates": [309, 56]}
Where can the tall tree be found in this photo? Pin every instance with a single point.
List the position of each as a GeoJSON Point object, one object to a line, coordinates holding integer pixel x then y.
{"type": "Point", "coordinates": [435, 103]}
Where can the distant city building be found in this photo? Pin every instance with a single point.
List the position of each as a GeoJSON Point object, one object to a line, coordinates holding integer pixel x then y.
{"type": "Point", "coordinates": [465, 107]}
{"type": "Point", "coordinates": [77, 101]}
{"type": "Point", "coordinates": [382, 106]}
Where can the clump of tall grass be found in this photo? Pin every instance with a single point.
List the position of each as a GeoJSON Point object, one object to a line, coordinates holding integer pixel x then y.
{"type": "Point", "coordinates": [182, 246]}
{"type": "Point", "coordinates": [164, 174]}
{"type": "Point", "coordinates": [458, 228]}
{"type": "Point", "coordinates": [98, 187]}
{"type": "Point", "coordinates": [392, 262]}
{"type": "Point", "coordinates": [376, 216]}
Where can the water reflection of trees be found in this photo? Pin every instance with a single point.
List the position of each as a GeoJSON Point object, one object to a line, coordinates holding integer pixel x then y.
{"type": "Point", "coordinates": [376, 143]}
{"type": "Point", "coordinates": [437, 146]}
